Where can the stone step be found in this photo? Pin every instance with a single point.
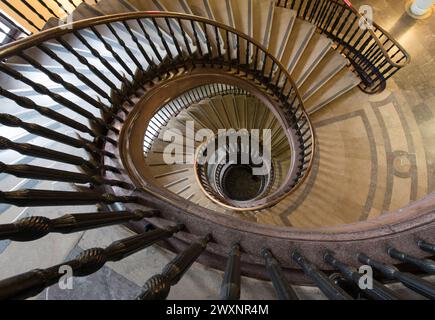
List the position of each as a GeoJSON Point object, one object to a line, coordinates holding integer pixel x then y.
{"type": "Point", "coordinates": [330, 65]}
{"type": "Point", "coordinates": [302, 32]}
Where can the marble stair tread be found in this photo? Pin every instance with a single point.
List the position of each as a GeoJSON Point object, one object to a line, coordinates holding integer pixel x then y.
{"type": "Point", "coordinates": [231, 111]}
{"type": "Point", "coordinates": [155, 5]}
{"type": "Point", "coordinates": [202, 8]}
{"type": "Point", "coordinates": [148, 5]}
{"type": "Point", "coordinates": [174, 6]}
{"type": "Point", "coordinates": [219, 105]}
{"type": "Point", "coordinates": [213, 113]}
{"type": "Point", "coordinates": [51, 23]}
{"type": "Point", "coordinates": [181, 6]}
{"type": "Point", "coordinates": [108, 7]}
{"type": "Point", "coordinates": [105, 8]}
{"type": "Point", "coordinates": [242, 111]}
{"type": "Point", "coordinates": [302, 32]}
{"type": "Point", "coordinates": [283, 20]}
{"type": "Point", "coordinates": [263, 15]}
{"type": "Point", "coordinates": [222, 11]}
{"type": "Point", "coordinates": [158, 167]}
{"type": "Point", "coordinates": [330, 65]}
{"type": "Point", "coordinates": [317, 48]}
{"type": "Point", "coordinates": [243, 16]}
{"type": "Point", "coordinates": [340, 84]}
{"type": "Point", "coordinates": [201, 114]}
{"type": "Point", "coordinates": [84, 11]}
{"type": "Point", "coordinates": [115, 6]}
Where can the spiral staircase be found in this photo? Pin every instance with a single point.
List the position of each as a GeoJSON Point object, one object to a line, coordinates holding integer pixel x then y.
{"type": "Point", "coordinates": [92, 91]}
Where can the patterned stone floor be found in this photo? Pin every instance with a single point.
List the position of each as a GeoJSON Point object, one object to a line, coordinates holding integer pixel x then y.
{"type": "Point", "coordinates": [376, 153]}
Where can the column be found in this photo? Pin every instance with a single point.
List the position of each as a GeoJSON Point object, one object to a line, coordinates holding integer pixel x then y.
{"type": "Point", "coordinates": [421, 7]}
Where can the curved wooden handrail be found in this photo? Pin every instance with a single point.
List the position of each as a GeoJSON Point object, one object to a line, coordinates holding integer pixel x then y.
{"type": "Point", "coordinates": [376, 39]}
{"type": "Point", "coordinates": [374, 66]}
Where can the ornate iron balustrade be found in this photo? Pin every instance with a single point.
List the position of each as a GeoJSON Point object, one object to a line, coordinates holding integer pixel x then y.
{"type": "Point", "coordinates": [372, 51]}
{"type": "Point", "coordinates": [32, 15]}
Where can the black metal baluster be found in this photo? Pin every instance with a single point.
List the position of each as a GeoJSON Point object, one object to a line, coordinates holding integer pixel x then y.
{"type": "Point", "coordinates": [218, 44]}
{"type": "Point", "coordinates": [61, 6]}
{"type": "Point", "coordinates": [301, 3]}
{"type": "Point", "coordinates": [186, 42]}
{"type": "Point", "coordinates": [96, 54]}
{"type": "Point", "coordinates": [76, 91]}
{"type": "Point", "coordinates": [125, 47]}
{"type": "Point", "coordinates": [38, 198]}
{"type": "Point", "coordinates": [341, 27]}
{"type": "Point", "coordinates": [411, 281]}
{"type": "Point", "coordinates": [21, 15]}
{"type": "Point", "coordinates": [45, 91]}
{"type": "Point", "coordinates": [162, 38]}
{"type": "Point", "coordinates": [331, 17]}
{"type": "Point", "coordinates": [70, 68]}
{"type": "Point", "coordinates": [33, 228]}
{"type": "Point", "coordinates": [42, 3]}
{"type": "Point", "coordinates": [197, 42]}
{"type": "Point", "coordinates": [426, 265]}
{"type": "Point", "coordinates": [346, 33]}
{"type": "Point", "coordinates": [330, 289]}
{"type": "Point", "coordinates": [140, 46]}
{"type": "Point", "coordinates": [308, 5]}
{"type": "Point", "coordinates": [425, 246]}
{"type": "Point", "coordinates": [325, 16]}
{"type": "Point", "coordinates": [94, 70]}
{"type": "Point", "coordinates": [337, 19]}
{"type": "Point", "coordinates": [112, 51]}
{"type": "Point", "coordinates": [88, 262]}
{"type": "Point", "coordinates": [41, 173]}
{"type": "Point", "coordinates": [320, 12]}
{"type": "Point", "coordinates": [33, 9]}
{"type": "Point", "coordinates": [313, 11]}
{"type": "Point", "coordinates": [209, 47]}
{"type": "Point", "coordinates": [171, 32]}
{"type": "Point", "coordinates": [348, 286]}
{"type": "Point", "coordinates": [279, 281]}
{"type": "Point", "coordinates": [44, 153]}
{"type": "Point", "coordinates": [11, 121]}
{"type": "Point", "coordinates": [30, 104]}
{"type": "Point", "coordinates": [159, 286]}
{"type": "Point", "coordinates": [230, 288]}
{"type": "Point", "coordinates": [150, 41]}
{"type": "Point", "coordinates": [379, 291]}
{"type": "Point", "coordinates": [12, 23]}
{"type": "Point", "coordinates": [72, 3]}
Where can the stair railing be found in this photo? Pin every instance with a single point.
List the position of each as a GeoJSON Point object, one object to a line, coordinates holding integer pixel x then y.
{"type": "Point", "coordinates": [374, 54]}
